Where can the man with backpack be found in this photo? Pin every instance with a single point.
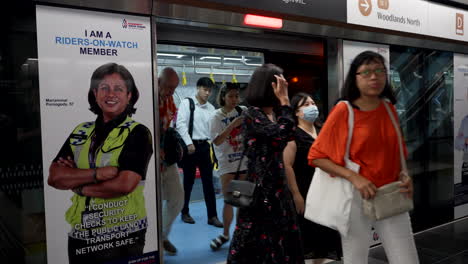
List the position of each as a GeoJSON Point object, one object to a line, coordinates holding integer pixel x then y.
{"type": "Point", "coordinates": [170, 154]}
{"type": "Point", "coordinates": [193, 119]}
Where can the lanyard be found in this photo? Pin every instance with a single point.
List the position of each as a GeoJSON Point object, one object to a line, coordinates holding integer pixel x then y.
{"type": "Point", "coordinates": [92, 153]}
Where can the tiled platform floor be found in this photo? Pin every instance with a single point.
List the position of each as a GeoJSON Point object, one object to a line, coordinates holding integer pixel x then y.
{"type": "Point", "coordinates": [447, 244]}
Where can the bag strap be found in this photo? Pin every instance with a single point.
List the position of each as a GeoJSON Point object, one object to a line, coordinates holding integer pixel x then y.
{"type": "Point", "coordinates": [243, 152]}
{"type": "Point", "coordinates": [239, 110]}
{"type": "Point", "coordinates": [240, 163]}
{"type": "Point", "coordinates": [350, 129]}
{"type": "Point", "coordinates": [213, 157]}
{"type": "Point", "coordinates": [192, 109]}
{"type": "Point", "coordinates": [400, 138]}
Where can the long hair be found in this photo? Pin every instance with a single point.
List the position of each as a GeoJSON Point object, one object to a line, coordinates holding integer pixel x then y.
{"type": "Point", "coordinates": [259, 91]}
{"type": "Point", "coordinates": [98, 76]}
{"type": "Point", "coordinates": [350, 91]}
{"type": "Point", "coordinates": [298, 101]}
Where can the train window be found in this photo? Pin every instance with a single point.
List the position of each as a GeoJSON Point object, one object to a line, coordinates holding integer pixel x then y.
{"type": "Point", "coordinates": [220, 65]}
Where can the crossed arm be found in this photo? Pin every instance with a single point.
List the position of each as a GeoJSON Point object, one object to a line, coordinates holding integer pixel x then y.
{"type": "Point", "coordinates": [111, 182]}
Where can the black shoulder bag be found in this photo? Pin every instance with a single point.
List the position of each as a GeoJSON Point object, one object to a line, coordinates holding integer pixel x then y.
{"type": "Point", "coordinates": [174, 146]}
{"type": "Point", "coordinates": [240, 193]}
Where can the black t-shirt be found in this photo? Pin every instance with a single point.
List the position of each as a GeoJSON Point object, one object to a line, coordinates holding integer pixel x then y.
{"type": "Point", "coordinates": [136, 152]}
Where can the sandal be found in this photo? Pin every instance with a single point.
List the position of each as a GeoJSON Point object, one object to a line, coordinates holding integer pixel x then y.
{"type": "Point", "coordinates": [218, 242]}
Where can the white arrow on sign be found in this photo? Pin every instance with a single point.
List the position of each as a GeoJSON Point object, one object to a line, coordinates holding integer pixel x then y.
{"type": "Point", "coordinates": [366, 5]}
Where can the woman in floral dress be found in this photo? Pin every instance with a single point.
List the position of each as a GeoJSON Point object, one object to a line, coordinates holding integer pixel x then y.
{"type": "Point", "coordinates": [267, 231]}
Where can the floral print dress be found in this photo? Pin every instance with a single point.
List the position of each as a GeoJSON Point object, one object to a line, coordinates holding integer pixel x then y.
{"type": "Point", "coordinates": [267, 231]}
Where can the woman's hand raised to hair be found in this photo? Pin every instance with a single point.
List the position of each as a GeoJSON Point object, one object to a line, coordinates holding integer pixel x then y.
{"type": "Point", "coordinates": [280, 88]}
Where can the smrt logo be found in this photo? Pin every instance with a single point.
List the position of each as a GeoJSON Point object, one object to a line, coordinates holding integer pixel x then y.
{"type": "Point", "coordinates": [130, 25]}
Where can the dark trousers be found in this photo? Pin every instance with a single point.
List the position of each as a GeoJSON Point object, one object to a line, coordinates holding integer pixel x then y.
{"type": "Point", "coordinates": [202, 159]}
{"type": "Point", "coordinates": [80, 252]}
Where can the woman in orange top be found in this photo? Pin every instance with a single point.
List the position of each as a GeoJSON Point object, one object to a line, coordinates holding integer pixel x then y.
{"type": "Point", "coordinates": [374, 147]}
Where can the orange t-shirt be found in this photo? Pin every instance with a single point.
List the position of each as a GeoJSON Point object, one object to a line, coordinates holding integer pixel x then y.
{"type": "Point", "coordinates": [374, 145]}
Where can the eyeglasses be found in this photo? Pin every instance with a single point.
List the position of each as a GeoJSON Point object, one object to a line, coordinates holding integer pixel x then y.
{"type": "Point", "coordinates": [368, 73]}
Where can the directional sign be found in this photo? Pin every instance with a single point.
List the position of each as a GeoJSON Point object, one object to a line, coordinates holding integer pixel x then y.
{"type": "Point", "coordinates": [415, 16]}
{"type": "Point", "coordinates": [365, 7]}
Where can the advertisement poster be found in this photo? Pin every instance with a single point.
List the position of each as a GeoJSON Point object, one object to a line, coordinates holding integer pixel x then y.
{"type": "Point", "coordinates": [99, 172]}
{"type": "Point", "coordinates": [460, 79]}
{"type": "Point", "coordinates": [350, 50]}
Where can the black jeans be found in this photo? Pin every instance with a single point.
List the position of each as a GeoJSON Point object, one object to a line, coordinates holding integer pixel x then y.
{"type": "Point", "coordinates": [80, 252]}
{"type": "Point", "coordinates": [202, 159]}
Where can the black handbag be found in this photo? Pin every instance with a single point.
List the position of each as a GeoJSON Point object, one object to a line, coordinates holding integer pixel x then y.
{"type": "Point", "coordinates": [240, 193]}
{"type": "Point", "coordinates": [173, 146]}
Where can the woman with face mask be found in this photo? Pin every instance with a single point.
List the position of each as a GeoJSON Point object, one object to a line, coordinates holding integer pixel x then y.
{"type": "Point", "coordinates": [320, 242]}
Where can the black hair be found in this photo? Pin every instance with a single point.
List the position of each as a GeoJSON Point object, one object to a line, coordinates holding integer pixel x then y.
{"type": "Point", "coordinates": [259, 91]}
{"type": "Point", "coordinates": [298, 100]}
{"type": "Point", "coordinates": [98, 76]}
{"type": "Point", "coordinates": [205, 82]}
{"type": "Point", "coordinates": [225, 89]}
{"type": "Point", "coordinates": [350, 91]}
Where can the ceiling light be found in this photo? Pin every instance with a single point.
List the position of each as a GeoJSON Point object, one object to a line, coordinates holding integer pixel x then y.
{"type": "Point", "coordinates": [171, 55]}
{"type": "Point", "coordinates": [233, 59]}
{"type": "Point", "coordinates": [210, 58]}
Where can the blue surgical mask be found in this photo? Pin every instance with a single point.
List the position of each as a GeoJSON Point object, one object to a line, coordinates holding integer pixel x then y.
{"type": "Point", "coordinates": [311, 113]}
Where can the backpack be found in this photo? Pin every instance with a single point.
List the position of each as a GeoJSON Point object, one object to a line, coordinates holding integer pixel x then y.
{"type": "Point", "coordinates": [174, 146]}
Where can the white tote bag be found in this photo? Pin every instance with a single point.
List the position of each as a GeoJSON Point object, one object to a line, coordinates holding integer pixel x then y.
{"type": "Point", "coordinates": [328, 201]}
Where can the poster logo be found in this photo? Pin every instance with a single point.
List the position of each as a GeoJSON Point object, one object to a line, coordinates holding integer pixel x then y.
{"type": "Point", "coordinates": [365, 7]}
{"type": "Point", "coordinates": [382, 50]}
{"type": "Point", "coordinates": [130, 25]}
{"type": "Point", "coordinates": [383, 4]}
{"type": "Point", "coordinates": [460, 23]}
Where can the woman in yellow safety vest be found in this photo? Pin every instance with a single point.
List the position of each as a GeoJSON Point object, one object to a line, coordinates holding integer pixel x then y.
{"type": "Point", "coordinates": [104, 162]}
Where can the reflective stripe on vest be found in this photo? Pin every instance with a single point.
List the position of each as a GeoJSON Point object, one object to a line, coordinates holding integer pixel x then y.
{"type": "Point", "coordinates": [126, 213]}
